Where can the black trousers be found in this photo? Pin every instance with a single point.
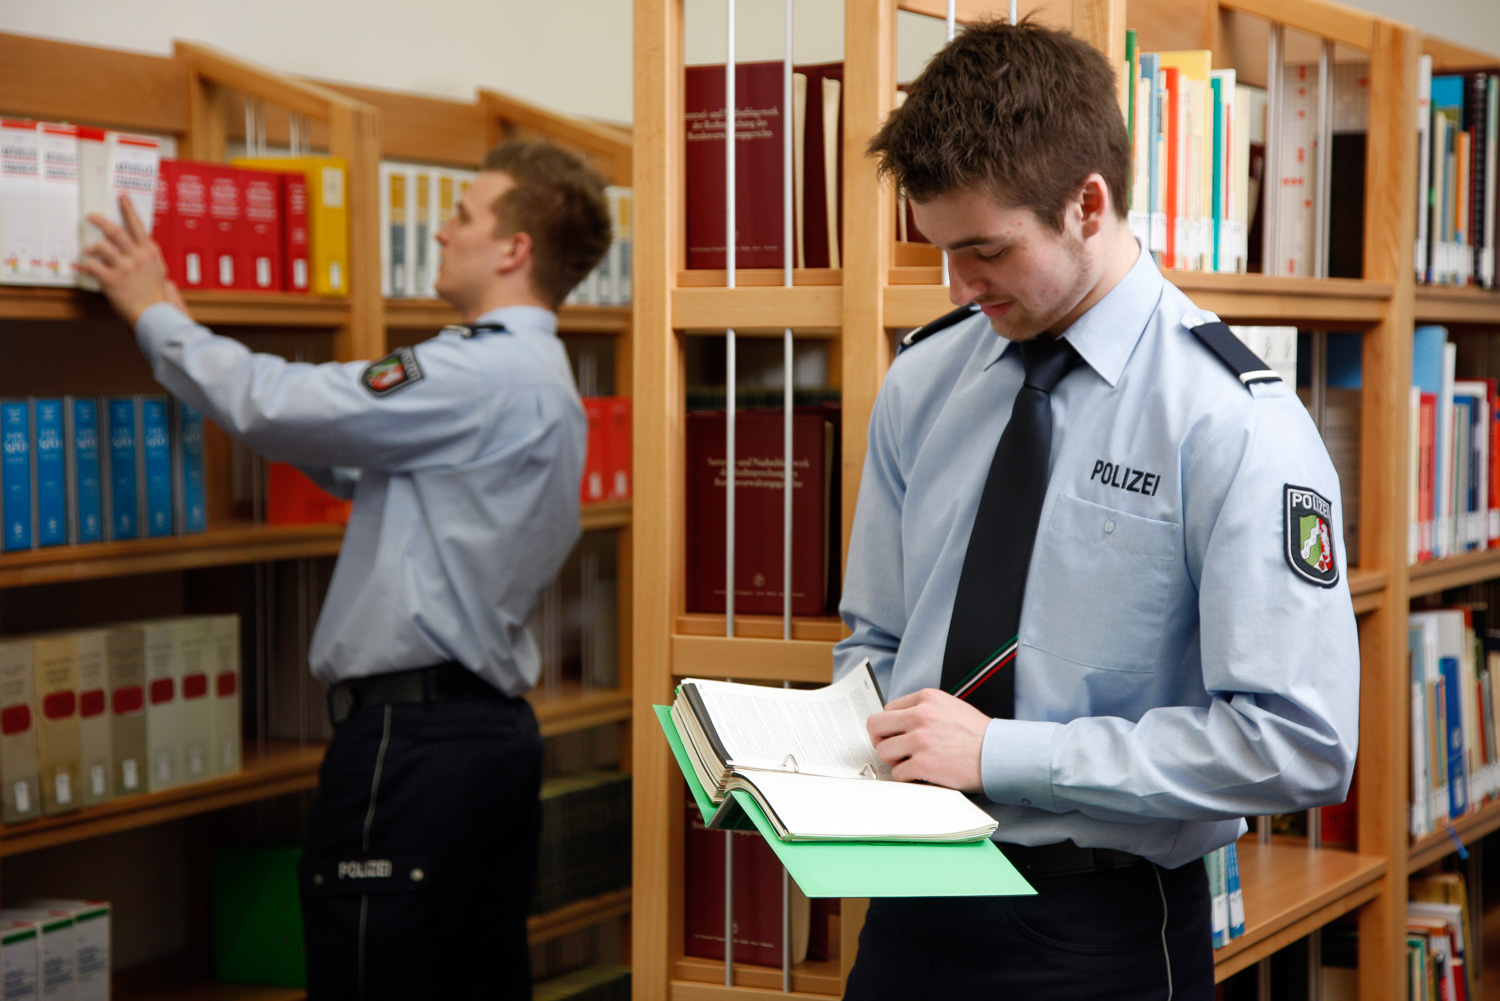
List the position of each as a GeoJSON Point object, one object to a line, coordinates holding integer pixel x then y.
{"type": "Point", "coordinates": [421, 854]}
{"type": "Point", "coordinates": [1135, 934]}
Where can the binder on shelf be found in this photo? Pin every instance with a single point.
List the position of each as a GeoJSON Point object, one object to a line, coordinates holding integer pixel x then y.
{"type": "Point", "coordinates": [129, 738]}
{"type": "Point", "coordinates": [59, 191]}
{"type": "Point", "coordinates": [296, 267]}
{"type": "Point", "coordinates": [112, 164]}
{"type": "Point", "coordinates": [118, 452]}
{"type": "Point", "coordinates": [261, 228]}
{"type": "Point", "coordinates": [861, 869]}
{"type": "Point", "coordinates": [226, 227]}
{"type": "Point", "coordinates": [56, 947]}
{"type": "Point", "coordinates": [20, 793]}
{"type": "Point", "coordinates": [164, 712]}
{"type": "Point", "coordinates": [81, 458]}
{"type": "Point", "coordinates": [154, 470]}
{"type": "Point", "coordinates": [90, 942]}
{"type": "Point", "coordinates": [20, 202]}
{"type": "Point", "coordinates": [55, 660]}
{"type": "Point", "coordinates": [94, 757]}
{"type": "Point", "coordinates": [182, 228]}
{"type": "Point", "coordinates": [17, 475]}
{"type": "Point", "coordinates": [189, 493]}
{"type": "Point", "coordinates": [327, 216]}
{"type": "Point", "coordinates": [224, 678]}
{"type": "Point", "coordinates": [51, 472]}
{"type": "Point", "coordinates": [197, 667]}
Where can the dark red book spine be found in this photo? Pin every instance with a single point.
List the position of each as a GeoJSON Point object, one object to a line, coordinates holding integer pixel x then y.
{"type": "Point", "coordinates": [758, 560]}
{"type": "Point", "coordinates": [262, 231]}
{"type": "Point", "coordinates": [226, 213]}
{"type": "Point", "coordinates": [815, 235]}
{"type": "Point", "coordinates": [294, 232]}
{"type": "Point", "coordinates": [759, 191]}
{"type": "Point", "coordinates": [183, 224]}
{"type": "Point", "coordinates": [757, 895]}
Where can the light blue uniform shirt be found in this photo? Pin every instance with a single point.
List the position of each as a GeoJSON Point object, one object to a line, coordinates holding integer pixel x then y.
{"type": "Point", "coordinates": [465, 483]}
{"type": "Point", "coordinates": [1175, 673]}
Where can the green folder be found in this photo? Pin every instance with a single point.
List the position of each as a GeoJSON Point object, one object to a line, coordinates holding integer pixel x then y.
{"type": "Point", "coordinates": [862, 868]}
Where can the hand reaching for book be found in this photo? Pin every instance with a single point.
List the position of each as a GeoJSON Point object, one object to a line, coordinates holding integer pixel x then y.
{"type": "Point", "coordinates": [128, 266]}
{"type": "Point", "coordinates": [930, 736]}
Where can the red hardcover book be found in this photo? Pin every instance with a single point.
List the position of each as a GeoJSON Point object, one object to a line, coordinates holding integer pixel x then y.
{"type": "Point", "coordinates": [758, 903]}
{"type": "Point", "coordinates": [226, 213]}
{"type": "Point", "coordinates": [1340, 822]}
{"type": "Point", "coordinates": [617, 447]}
{"type": "Point", "coordinates": [294, 232]}
{"type": "Point", "coordinates": [759, 192]}
{"type": "Point", "coordinates": [1171, 197]}
{"type": "Point", "coordinates": [594, 487]}
{"type": "Point", "coordinates": [262, 231]}
{"type": "Point", "coordinates": [293, 499]}
{"type": "Point", "coordinates": [758, 561]}
{"type": "Point", "coordinates": [182, 224]}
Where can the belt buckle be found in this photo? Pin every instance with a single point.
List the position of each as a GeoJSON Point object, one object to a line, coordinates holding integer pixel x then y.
{"type": "Point", "coordinates": [340, 703]}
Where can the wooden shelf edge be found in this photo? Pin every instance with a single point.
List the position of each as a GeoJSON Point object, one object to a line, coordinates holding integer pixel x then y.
{"type": "Point", "coordinates": [1291, 890]}
{"type": "Point", "coordinates": [596, 517]}
{"type": "Point", "coordinates": [688, 990]}
{"type": "Point", "coordinates": [825, 629]}
{"type": "Point", "coordinates": [243, 309]}
{"type": "Point", "coordinates": [819, 979]}
{"type": "Point", "coordinates": [1438, 844]}
{"type": "Point", "coordinates": [1454, 571]}
{"type": "Point", "coordinates": [578, 915]}
{"type": "Point", "coordinates": [1440, 304]}
{"type": "Point", "coordinates": [280, 772]}
{"type": "Point", "coordinates": [217, 547]}
{"type": "Point", "coordinates": [573, 708]}
{"type": "Point", "coordinates": [752, 659]}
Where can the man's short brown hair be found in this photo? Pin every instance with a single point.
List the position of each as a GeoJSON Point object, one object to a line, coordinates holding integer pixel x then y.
{"type": "Point", "coordinates": [558, 200]}
{"type": "Point", "coordinates": [1022, 111]}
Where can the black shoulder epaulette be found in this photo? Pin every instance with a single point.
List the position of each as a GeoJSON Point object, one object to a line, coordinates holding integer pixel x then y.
{"type": "Point", "coordinates": [470, 329]}
{"type": "Point", "coordinates": [1244, 363]}
{"type": "Point", "coordinates": [941, 323]}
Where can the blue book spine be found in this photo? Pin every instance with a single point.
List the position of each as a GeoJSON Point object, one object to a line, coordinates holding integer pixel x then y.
{"type": "Point", "coordinates": [189, 498]}
{"type": "Point", "coordinates": [81, 448]}
{"type": "Point", "coordinates": [121, 514]}
{"type": "Point", "coordinates": [1236, 891]}
{"type": "Point", "coordinates": [1458, 786]}
{"type": "Point", "coordinates": [155, 456]}
{"type": "Point", "coordinates": [51, 478]}
{"type": "Point", "coordinates": [16, 473]}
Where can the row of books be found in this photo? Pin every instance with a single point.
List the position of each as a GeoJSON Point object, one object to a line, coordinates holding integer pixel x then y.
{"type": "Point", "coordinates": [1457, 212]}
{"type": "Point", "coordinates": [79, 469]}
{"type": "Point", "coordinates": [1455, 757]}
{"type": "Point", "coordinates": [609, 283]}
{"type": "Point", "coordinates": [96, 714]}
{"type": "Point", "coordinates": [55, 948]}
{"type": "Point", "coordinates": [761, 120]}
{"type": "Point", "coordinates": [576, 624]}
{"type": "Point", "coordinates": [258, 224]}
{"type": "Point", "coordinates": [415, 201]}
{"type": "Point", "coordinates": [1199, 142]}
{"type": "Point", "coordinates": [585, 841]}
{"type": "Point", "coordinates": [1441, 958]}
{"type": "Point", "coordinates": [1226, 895]}
{"type": "Point", "coordinates": [1453, 492]}
{"type": "Point", "coordinates": [262, 224]}
{"type": "Point", "coordinates": [606, 467]}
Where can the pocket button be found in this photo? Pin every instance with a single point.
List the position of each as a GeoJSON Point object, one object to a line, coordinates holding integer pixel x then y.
{"type": "Point", "coordinates": [1109, 526]}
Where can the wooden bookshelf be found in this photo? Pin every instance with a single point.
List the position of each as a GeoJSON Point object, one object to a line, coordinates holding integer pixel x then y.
{"type": "Point", "coordinates": [1444, 841]}
{"type": "Point", "coordinates": [280, 770]}
{"type": "Point", "coordinates": [1290, 890]}
{"type": "Point", "coordinates": [432, 314]}
{"type": "Point", "coordinates": [570, 707]}
{"type": "Point", "coordinates": [578, 915]}
{"type": "Point", "coordinates": [242, 309]}
{"type": "Point", "coordinates": [1439, 304]}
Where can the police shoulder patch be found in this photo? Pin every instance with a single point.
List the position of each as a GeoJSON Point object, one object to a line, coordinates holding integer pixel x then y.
{"type": "Point", "coordinates": [395, 371]}
{"type": "Point", "coordinates": [1308, 519]}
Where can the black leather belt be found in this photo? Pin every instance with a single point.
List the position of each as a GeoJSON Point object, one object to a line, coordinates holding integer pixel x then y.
{"type": "Point", "coordinates": [1065, 859]}
{"type": "Point", "coordinates": [448, 682]}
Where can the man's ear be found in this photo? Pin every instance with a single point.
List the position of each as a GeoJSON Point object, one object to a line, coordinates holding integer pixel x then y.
{"type": "Point", "coordinates": [517, 253]}
{"type": "Point", "coordinates": [1093, 204]}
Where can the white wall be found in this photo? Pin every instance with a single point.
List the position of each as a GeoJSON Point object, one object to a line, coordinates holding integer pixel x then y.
{"type": "Point", "coordinates": [571, 55]}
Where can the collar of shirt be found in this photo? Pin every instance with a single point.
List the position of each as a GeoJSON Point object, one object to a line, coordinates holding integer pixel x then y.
{"type": "Point", "coordinates": [519, 319]}
{"type": "Point", "coordinates": [1107, 334]}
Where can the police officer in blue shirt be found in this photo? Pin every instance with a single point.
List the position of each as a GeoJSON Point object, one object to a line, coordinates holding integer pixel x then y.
{"type": "Point", "coordinates": [463, 457]}
{"type": "Point", "coordinates": [1186, 652]}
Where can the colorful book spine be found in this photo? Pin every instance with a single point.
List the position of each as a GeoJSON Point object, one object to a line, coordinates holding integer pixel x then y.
{"type": "Point", "coordinates": [81, 459]}
{"type": "Point", "coordinates": [51, 472]}
{"type": "Point", "coordinates": [1236, 891]}
{"type": "Point", "coordinates": [189, 496]}
{"type": "Point", "coordinates": [154, 472]}
{"type": "Point", "coordinates": [122, 516]}
{"type": "Point", "coordinates": [16, 472]}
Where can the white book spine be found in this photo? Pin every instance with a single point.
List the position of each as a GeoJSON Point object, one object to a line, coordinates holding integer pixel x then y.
{"type": "Point", "coordinates": [59, 204]}
{"type": "Point", "coordinates": [20, 203]}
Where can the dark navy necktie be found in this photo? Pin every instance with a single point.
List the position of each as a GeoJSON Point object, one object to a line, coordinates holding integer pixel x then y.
{"type": "Point", "coordinates": [979, 660]}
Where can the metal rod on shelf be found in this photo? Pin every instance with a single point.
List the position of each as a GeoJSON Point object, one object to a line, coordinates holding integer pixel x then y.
{"type": "Point", "coordinates": [1270, 188]}
{"type": "Point", "coordinates": [952, 28]}
{"type": "Point", "coordinates": [787, 359]}
{"type": "Point", "coordinates": [1324, 158]}
{"type": "Point", "coordinates": [730, 133]}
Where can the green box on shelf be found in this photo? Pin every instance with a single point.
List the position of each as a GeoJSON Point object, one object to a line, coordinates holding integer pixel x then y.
{"type": "Point", "coordinates": [257, 917]}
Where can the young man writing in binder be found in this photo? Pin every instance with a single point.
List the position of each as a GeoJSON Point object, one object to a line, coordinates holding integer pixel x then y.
{"type": "Point", "coordinates": [1094, 561]}
{"type": "Point", "coordinates": [463, 457]}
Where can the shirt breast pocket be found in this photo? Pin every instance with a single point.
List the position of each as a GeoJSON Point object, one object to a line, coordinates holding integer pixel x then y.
{"type": "Point", "coordinates": [1101, 584]}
